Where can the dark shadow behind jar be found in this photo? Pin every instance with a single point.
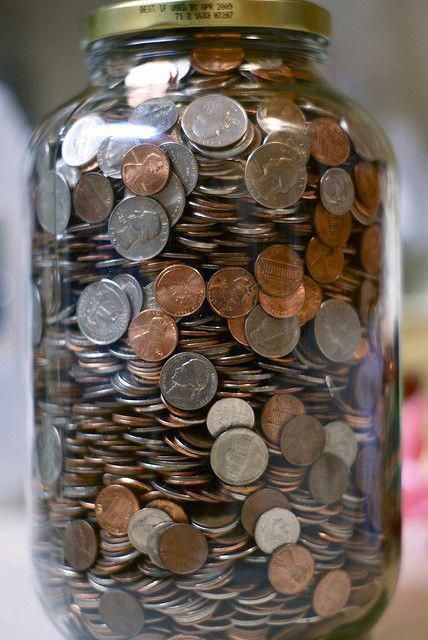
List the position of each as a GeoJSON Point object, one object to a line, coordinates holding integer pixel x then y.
{"type": "Point", "coordinates": [216, 277]}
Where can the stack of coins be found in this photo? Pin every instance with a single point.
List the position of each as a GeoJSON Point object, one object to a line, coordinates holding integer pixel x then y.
{"type": "Point", "coordinates": [209, 374]}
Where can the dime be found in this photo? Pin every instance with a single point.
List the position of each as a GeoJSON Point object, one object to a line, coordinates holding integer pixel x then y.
{"type": "Point", "coordinates": [141, 524]}
{"type": "Point", "coordinates": [367, 185]}
{"type": "Point", "coordinates": [279, 114]}
{"type": "Point", "coordinates": [371, 250]}
{"type": "Point", "coordinates": [325, 264]}
{"type": "Point", "coordinates": [103, 312]}
{"type": "Point", "coordinates": [277, 412]}
{"type": "Point", "coordinates": [145, 169]}
{"type": "Point", "coordinates": [331, 593]}
{"type": "Point", "coordinates": [53, 203]}
{"type": "Point", "coordinates": [48, 454]}
{"type": "Point", "coordinates": [328, 479]}
{"type": "Point", "coordinates": [82, 141]}
{"type": "Point", "coordinates": [153, 335]}
{"type": "Point", "coordinates": [111, 154]}
{"type": "Point", "coordinates": [114, 507]}
{"type": "Point", "coordinates": [183, 549]}
{"type": "Point", "coordinates": [329, 143]}
{"type": "Point", "coordinates": [188, 381]}
{"type": "Point", "coordinates": [93, 198]}
{"type": "Point", "coordinates": [172, 198]}
{"type": "Point", "coordinates": [302, 440]}
{"type": "Point", "coordinates": [332, 230]}
{"type": "Point", "coordinates": [183, 163]}
{"type": "Point", "coordinates": [313, 300]}
{"type": "Point", "coordinates": [275, 528]}
{"type": "Point", "coordinates": [138, 228]}
{"type": "Point", "coordinates": [133, 291]}
{"type": "Point", "coordinates": [258, 503]}
{"type": "Point", "coordinates": [80, 545]}
{"type": "Point", "coordinates": [291, 569]}
{"type": "Point", "coordinates": [121, 612]}
{"type": "Point", "coordinates": [214, 121]}
{"type": "Point", "coordinates": [337, 191]}
{"type": "Point", "coordinates": [279, 270]}
{"type": "Point", "coordinates": [284, 307]}
{"type": "Point", "coordinates": [232, 292]}
{"type": "Point", "coordinates": [228, 413]}
{"type": "Point", "coordinates": [239, 456]}
{"type": "Point", "coordinates": [237, 329]}
{"type": "Point", "coordinates": [217, 59]}
{"type": "Point", "coordinates": [271, 337]}
{"type": "Point", "coordinates": [341, 440]}
{"type": "Point", "coordinates": [337, 330]}
{"type": "Point", "coordinates": [180, 290]}
{"type": "Point", "coordinates": [155, 116]}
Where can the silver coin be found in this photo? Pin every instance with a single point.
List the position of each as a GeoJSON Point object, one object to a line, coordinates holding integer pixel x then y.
{"type": "Point", "coordinates": [279, 113]}
{"type": "Point", "coordinates": [172, 198]}
{"type": "Point", "coordinates": [53, 203]}
{"type": "Point", "coordinates": [271, 337]}
{"type": "Point", "coordinates": [295, 138]}
{"type": "Point", "coordinates": [153, 540]}
{"type": "Point", "coordinates": [183, 163]}
{"type": "Point", "coordinates": [337, 330]}
{"type": "Point", "coordinates": [231, 152]}
{"type": "Point", "coordinates": [239, 456]}
{"type": "Point", "coordinates": [82, 141]}
{"type": "Point", "coordinates": [138, 228]}
{"type": "Point", "coordinates": [228, 413]}
{"type": "Point", "coordinates": [37, 317]}
{"type": "Point", "coordinates": [121, 612]}
{"type": "Point", "coordinates": [111, 154]}
{"type": "Point", "coordinates": [341, 440]}
{"type": "Point", "coordinates": [103, 312]}
{"type": "Point", "coordinates": [150, 301]}
{"type": "Point", "coordinates": [337, 191]}
{"type": "Point", "coordinates": [214, 121]}
{"type": "Point", "coordinates": [48, 454]}
{"type": "Point", "coordinates": [275, 528]}
{"type": "Point", "coordinates": [156, 115]}
{"type": "Point", "coordinates": [141, 525]}
{"type": "Point", "coordinates": [188, 381]}
{"type": "Point", "coordinates": [71, 174]}
{"type": "Point", "coordinates": [132, 288]}
{"type": "Point", "coordinates": [328, 479]}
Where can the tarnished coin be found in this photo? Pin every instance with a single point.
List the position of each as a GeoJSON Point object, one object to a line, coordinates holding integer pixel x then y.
{"type": "Point", "coordinates": [237, 329]}
{"type": "Point", "coordinates": [188, 381]}
{"type": "Point", "coordinates": [82, 141]}
{"type": "Point", "coordinates": [53, 203]}
{"type": "Point", "coordinates": [271, 337]}
{"type": "Point", "coordinates": [103, 312]}
{"type": "Point", "coordinates": [337, 191]}
{"type": "Point", "coordinates": [284, 307]}
{"type": "Point", "coordinates": [341, 440]}
{"type": "Point", "coordinates": [279, 114]}
{"type": "Point", "coordinates": [337, 330]}
{"type": "Point", "coordinates": [111, 154]}
{"type": "Point", "coordinates": [183, 549]}
{"type": "Point", "coordinates": [328, 479]}
{"type": "Point", "coordinates": [132, 288]}
{"type": "Point", "coordinates": [93, 198]}
{"type": "Point", "coordinates": [172, 198]}
{"type": "Point", "coordinates": [313, 300]}
{"type": "Point", "coordinates": [180, 290]}
{"type": "Point", "coordinates": [145, 169]}
{"type": "Point", "coordinates": [279, 270]}
{"type": "Point", "coordinates": [258, 503]}
{"type": "Point", "coordinates": [232, 292]}
{"type": "Point", "coordinates": [214, 60]}
{"type": "Point", "coordinates": [228, 413]}
{"type": "Point", "coordinates": [154, 116]}
{"type": "Point", "coordinates": [302, 440]}
{"type": "Point", "coordinates": [325, 264]}
{"type": "Point", "coordinates": [37, 316]}
{"type": "Point", "coordinates": [332, 230]}
{"type": "Point", "coordinates": [367, 184]}
{"type": "Point", "coordinates": [293, 137]}
{"type": "Point", "coordinates": [153, 335]}
{"type": "Point", "coordinates": [371, 251]}
{"type": "Point", "coordinates": [331, 593]}
{"type": "Point", "coordinates": [121, 612]}
{"type": "Point", "coordinates": [142, 522]}
{"type": "Point", "coordinates": [214, 121]}
{"type": "Point", "coordinates": [329, 143]}
{"type": "Point", "coordinates": [48, 454]}
{"type": "Point", "coordinates": [114, 507]}
{"type": "Point", "coordinates": [275, 528]}
{"type": "Point", "coordinates": [183, 163]}
{"type": "Point", "coordinates": [277, 412]}
{"type": "Point", "coordinates": [138, 228]}
{"type": "Point", "coordinates": [80, 545]}
{"type": "Point", "coordinates": [239, 456]}
{"type": "Point", "coordinates": [291, 569]}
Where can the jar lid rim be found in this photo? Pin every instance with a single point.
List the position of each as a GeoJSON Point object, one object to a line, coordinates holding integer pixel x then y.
{"type": "Point", "coordinates": [145, 15]}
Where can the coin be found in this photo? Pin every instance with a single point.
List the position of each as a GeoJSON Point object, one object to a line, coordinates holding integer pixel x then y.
{"type": "Point", "coordinates": [214, 515]}
{"type": "Point", "coordinates": [48, 454]}
{"type": "Point", "coordinates": [337, 191]}
{"type": "Point", "coordinates": [332, 230]}
{"type": "Point", "coordinates": [239, 456]}
{"type": "Point", "coordinates": [153, 335]}
{"type": "Point", "coordinates": [217, 59]}
{"type": "Point", "coordinates": [142, 522]}
{"type": "Point", "coordinates": [371, 250]}
{"type": "Point", "coordinates": [53, 203]}
{"type": "Point", "coordinates": [111, 154]}
{"type": "Point", "coordinates": [103, 312]}
{"type": "Point", "coordinates": [93, 198]}
{"type": "Point", "coordinates": [188, 381]}
{"type": "Point", "coordinates": [284, 307]}
{"type": "Point", "coordinates": [277, 412]}
{"type": "Point", "coordinates": [293, 137]}
{"type": "Point", "coordinates": [133, 291]}
{"type": "Point", "coordinates": [302, 440]}
{"type": "Point", "coordinates": [174, 510]}
{"type": "Point", "coordinates": [183, 163]}
{"type": "Point", "coordinates": [237, 329]}
{"type": "Point", "coordinates": [232, 292]}
{"type": "Point", "coordinates": [138, 228]}
{"type": "Point", "coordinates": [275, 528]}
{"type": "Point", "coordinates": [329, 143]}
{"type": "Point", "coordinates": [291, 569]}
{"type": "Point", "coordinates": [183, 549]}
{"type": "Point", "coordinates": [80, 545]}
{"type": "Point", "coordinates": [36, 317]}
{"type": "Point", "coordinates": [328, 479]}
{"type": "Point", "coordinates": [331, 593]}
{"type": "Point", "coordinates": [82, 140]}
{"type": "Point", "coordinates": [154, 116]}
{"type": "Point", "coordinates": [121, 612]}
{"type": "Point", "coordinates": [180, 290]}
{"type": "Point", "coordinates": [313, 300]}
{"type": "Point", "coordinates": [228, 413]}
{"type": "Point", "coordinates": [271, 337]}
{"type": "Point", "coordinates": [258, 503]}
{"type": "Point", "coordinates": [367, 185]}
{"type": "Point", "coordinates": [325, 264]}
{"type": "Point", "coordinates": [278, 114]}
{"type": "Point", "coordinates": [114, 507]}
{"type": "Point", "coordinates": [214, 121]}
{"type": "Point", "coordinates": [337, 330]}
{"type": "Point", "coordinates": [341, 440]}
{"type": "Point", "coordinates": [279, 270]}
{"type": "Point", "coordinates": [145, 169]}
{"type": "Point", "coordinates": [172, 198]}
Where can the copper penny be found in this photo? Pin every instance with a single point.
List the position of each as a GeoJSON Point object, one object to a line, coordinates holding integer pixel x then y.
{"type": "Point", "coordinates": [183, 549]}
{"type": "Point", "coordinates": [279, 270]}
{"type": "Point", "coordinates": [371, 250]}
{"type": "Point", "coordinates": [291, 569]}
{"type": "Point", "coordinates": [180, 290]}
{"type": "Point", "coordinates": [325, 264]}
{"type": "Point", "coordinates": [277, 412]}
{"type": "Point", "coordinates": [257, 503]}
{"type": "Point", "coordinates": [313, 300]}
{"type": "Point", "coordinates": [145, 169]}
{"type": "Point", "coordinates": [367, 184]}
{"type": "Point", "coordinates": [93, 198]}
{"type": "Point", "coordinates": [334, 231]}
{"type": "Point", "coordinates": [285, 307]}
{"type": "Point", "coordinates": [303, 440]}
{"type": "Point", "coordinates": [217, 59]}
{"type": "Point", "coordinates": [153, 335]}
{"type": "Point", "coordinates": [80, 545]}
{"type": "Point", "coordinates": [173, 509]}
{"type": "Point", "coordinates": [114, 507]}
{"type": "Point", "coordinates": [237, 329]}
{"type": "Point", "coordinates": [329, 143]}
{"type": "Point", "coordinates": [367, 299]}
{"type": "Point", "coordinates": [232, 292]}
{"type": "Point", "coordinates": [331, 593]}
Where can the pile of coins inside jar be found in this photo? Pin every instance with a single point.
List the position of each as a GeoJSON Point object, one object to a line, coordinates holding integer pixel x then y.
{"type": "Point", "coordinates": [208, 366]}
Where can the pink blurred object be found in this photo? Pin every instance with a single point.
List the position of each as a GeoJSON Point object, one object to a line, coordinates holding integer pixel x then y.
{"type": "Point", "coordinates": [414, 474]}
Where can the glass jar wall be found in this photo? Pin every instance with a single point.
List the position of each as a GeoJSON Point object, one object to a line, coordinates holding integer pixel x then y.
{"type": "Point", "coordinates": [215, 283]}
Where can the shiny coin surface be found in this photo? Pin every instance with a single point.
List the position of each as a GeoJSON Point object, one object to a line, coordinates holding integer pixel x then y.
{"type": "Point", "coordinates": [183, 164]}
{"type": "Point", "coordinates": [232, 292]}
{"type": "Point", "coordinates": [367, 184]}
{"type": "Point", "coordinates": [328, 479]}
{"type": "Point", "coordinates": [332, 230]}
{"type": "Point", "coordinates": [183, 549]}
{"type": "Point", "coordinates": [172, 198]}
{"type": "Point", "coordinates": [228, 413]}
{"type": "Point", "coordinates": [103, 312]}
{"type": "Point", "coordinates": [293, 137]}
{"type": "Point", "coordinates": [279, 270]}
{"type": "Point", "coordinates": [174, 510]}
{"type": "Point", "coordinates": [325, 264]}
{"type": "Point", "coordinates": [153, 335]}
{"type": "Point", "coordinates": [271, 337]}
{"type": "Point", "coordinates": [114, 507]}
{"type": "Point", "coordinates": [80, 545]}
{"type": "Point", "coordinates": [341, 440]}
{"type": "Point", "coordinates": [291, 569]}
{"type": "Point", "coordinates": [145, 169]}
{"type": "Point", "coordinates": [284, 307]}
{"type": "Point", "coordinates": [155, 116]}
{"type": "Point", "coordinates": [277, 412]}
{"type": "Point", "coordinates": [337, 330]}
{"type": "Point", "coordinates": [329, 143]}
{"type": "Point", "coordinates": [331, 593]}
{"type": "Point", "coordinates": [132, 289]}
{"type": "Point", "coordinates": [313, 300]}
{"type": "Point", "coordinates": [275, 528]}
{"type": "Point", "coordinates": [239, 456]}
{"type": "Point", "coordinates": [111, 154]}
{"type": "Point", "coordinates": [121, 612]}
{"type": "Point", "coordinates": [188, 381]}
{"type": "Point", "coordinates": [302, 440]}
{"type": "Point", "coordinates": [141, 524]}
{"type": "Point", "coordinates": [237, 329]}
{"type": "Point", "coordinates": [93, 198]}
{"type": "Point", "coordinates": [82, 140]}
{"type": "Point", "coordinates": [48, 454]}
{"type": "Point", "coordinates": [337, 191]}
{"type": "Point", "coordinates": [214, 121]}
{"type": "Point", "coordinates": [258, 503]}
{"type": "Point", "coordinates": [217, 59]}
{"type": "Point", "coordinates": [279, 113]}
{"type": "Point", "coordinates": [53, 203]}
{"type": "Point", "coordinates": [180, 290]}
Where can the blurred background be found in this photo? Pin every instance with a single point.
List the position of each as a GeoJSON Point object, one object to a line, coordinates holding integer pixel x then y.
{"type": "Point", "coordinates": [378, 57]}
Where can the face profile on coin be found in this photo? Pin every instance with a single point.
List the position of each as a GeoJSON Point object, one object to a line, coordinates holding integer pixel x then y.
{"type": "Point", "coordinates": [188, 381]}
{"type": "Point", "coordinates": [275, 528]}
{"type": "Point", "coordinates": [239, 456]}
{"type": "Point", "coordinates": [302, 440]}
{"type": "Point", "coordinates": [337, 330]}
{"type": "Point", "coordinates": [153, 335]}
{"type": "Point", "coordinates": [271, 337]}
{"type": "Point", "coordinates": [180, 290]}
{"type": "Point", "coordinates": [232, 292]}
{"type": "Point", "coordinates": [337, 191]}
{"type": "Point", "coordinates": [145, 169]}
{"type": "Point", "coordinates": [291, 569]}
{"type": "Point", "coordinates": [214, 121]}
{"type": "Point", "coordinates": [103, 312]}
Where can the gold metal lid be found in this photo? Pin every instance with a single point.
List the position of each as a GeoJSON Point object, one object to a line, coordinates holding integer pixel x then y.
{"type": "Point", "coordinates": [144, 15]}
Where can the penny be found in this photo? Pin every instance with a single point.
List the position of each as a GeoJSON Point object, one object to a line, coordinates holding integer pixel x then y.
{"type": "Point", "coordinates": [141, 524]}
{"type": "Point", "coordinates": [153, 335]}
{"type": "Point", "coordinates": [114, 507]}
{"type": "Point", "coordinates": [341, 440]}
{"type": "Point", "coordinates": [258, 503]}
{"type": "Point", "coordinates": [80, 545]}
{"type": "Point", "coordinates": [154, 116]}
{"type": "Point", "coordinates": [172, 509]}
{"type": "Point", "coordinates": [329, 143]}
{"type": "Point", "coordinates": [331, 593]}
{"type": "Point", "coordinates": [239, 456]}
{"type": "Point", "coordinates": [111, 154]}
{"type": "Point", "coordinates": [279, 270]}
{"type": "Point", "coordinates": [172, 198]}
{"type": "Point", "coordinates": [284, 307]}
{"type": "Point", "coordinates": [337, 191]}
{"type": "Point", "coordinates": [145, 169]}
{"type": "Point", "coordinates": [232, 292]}
{"type": "Point", "coordinates": [188, 381]}
{"type": "Point", "coordinates": [93, 198]}
{"type": "Point", "coordinates": [180, 290]}
{"type": "Point", "coordinates": [103, 312]}
{"type": "Point", "coordinates": [183, 163]}
{"type": "Point", "coordinates": [279, 113]}
{"type": "Point", "coordinates": [367, 185]}
{"type": "Point", "coordinates": [302, 440]}
{"type": "Point", "coordinates": [217, 59]}
{"type": "Point", "coordinates": [183, 549]}
{"type": "Point", "coordinates": [121, 612]}
{"type": "Point", "coordinates": [328, 479]}
{"type": "Point", "coordinates": [214, 121]}
{"type": "Point", "coordinates": [237, 329]}
{"type": "Point", "coordinates": [277, 412]}
{"type": "Point", "coordinates": [371, 250]}
{"type": "Point", "coordinates": [133, 291]}
{"type": "Point", "coordinates": [271, 337]}
{"type": "Point", "coordinates": [332, 230]}
{"type": "Point", "coordinates": [325, 264]}
{"type": "Point", "coordinates": [337, 330]}
{"type": "Point", "coordinates": [313, 300]}
{"type": "Point", "coordinates": [275, 528]}
{"type": "Point", "coordinates": [53, 203]}
{"type": "Point", "coordinates": [228, 413]}
{"type": "Point", "coordinates": [82, 140]}
{"type": "Point", "coordinates": [291, 569]}
{"type": "Point", "coordinates": [48, 454]}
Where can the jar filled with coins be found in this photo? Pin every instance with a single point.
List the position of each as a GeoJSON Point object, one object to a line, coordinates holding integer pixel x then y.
{"type": "Point", "coordinates": [215, 292]}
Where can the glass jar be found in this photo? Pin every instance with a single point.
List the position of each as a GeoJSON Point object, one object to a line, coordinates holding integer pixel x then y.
{"type": "Point", "coordinates": [215, 283]}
